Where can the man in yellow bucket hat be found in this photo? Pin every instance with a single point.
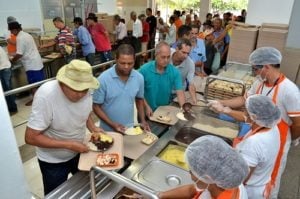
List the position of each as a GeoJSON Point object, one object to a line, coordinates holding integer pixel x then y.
{"type": "Point", "coordinates": [61, 111]}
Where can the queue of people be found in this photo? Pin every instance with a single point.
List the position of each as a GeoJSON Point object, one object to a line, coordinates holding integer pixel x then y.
{"type": "Point", "coordinates": [251, 168]}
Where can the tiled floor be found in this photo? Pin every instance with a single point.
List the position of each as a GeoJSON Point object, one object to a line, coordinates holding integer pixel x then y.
{"type": "Point", "coordinates": [289, 184]}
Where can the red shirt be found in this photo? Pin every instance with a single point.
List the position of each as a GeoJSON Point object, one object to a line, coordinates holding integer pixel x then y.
{"type": "Point", "coordinates": [100, 40]}
{"type": "Point", "coordinates": [146, 29]}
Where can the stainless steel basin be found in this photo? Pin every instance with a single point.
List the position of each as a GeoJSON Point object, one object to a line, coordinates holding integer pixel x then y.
{"type": "Point", "coordinates": [162, 176]}
{"type": "Point", "coordinates": [187, 135]}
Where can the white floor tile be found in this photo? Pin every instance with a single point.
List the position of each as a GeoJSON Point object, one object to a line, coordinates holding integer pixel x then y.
{"type": "Point", "coordinates": [20, 134]}
{"type": "Point", "coordinates": [34, 177]}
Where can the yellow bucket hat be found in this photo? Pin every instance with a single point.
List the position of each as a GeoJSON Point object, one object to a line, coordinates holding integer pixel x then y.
{"type": "Point", "coordinates": [77, 75]}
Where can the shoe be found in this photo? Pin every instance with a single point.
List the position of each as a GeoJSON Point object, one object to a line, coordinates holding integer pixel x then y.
{"type": "Point", "coordinates": [28, 103]}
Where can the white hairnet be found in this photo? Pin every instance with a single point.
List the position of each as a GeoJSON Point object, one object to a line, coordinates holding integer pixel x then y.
{"type": "Point", "coordinates": [262, 110]}
{"type": "Point", "coordinates": [213, 161]}
{"type": "Point", "coordinates": [265, 55]}
{"type": "Point", "coordinates": [11, 19]}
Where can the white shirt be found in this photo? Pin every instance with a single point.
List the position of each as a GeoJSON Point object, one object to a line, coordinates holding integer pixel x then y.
{"type": "Point", "coordinates": [31, 59]}
{"type": "Point", "coordinates": [137, 28]}
{"type": "Point", "coordinates": [4, 61]}
{"type": "Point", "coordinates": [260, 151]}
{"type": "Point", "coordinates": [243, 193]}
{"type": "Point", "coordinates": [59, 118]}
{"type": "Point", "coordinates": [121, 31]}
{"type": "Point", "coordinates": [171, 35]}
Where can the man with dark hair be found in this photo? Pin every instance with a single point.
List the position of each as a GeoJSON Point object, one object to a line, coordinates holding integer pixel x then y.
{"type": "Point", "coordinates": [100, 37]}
{"type": "Point", "coordinates": [181, 60]}
{"type": "Point", "coordinates": [84, 38]}
{"type": "Point", "coordinates": [64, 39]}
{"type": "Point", "coordinates": [120, 28]}
{"type": "Point", "coordinates": [151, 20]}
{"type": "Point", "coordinates": [183, 32]}
{"type": "Point", "coordinates": [29, 55]}
{"type": "Point", "coordinates": [121, 86]}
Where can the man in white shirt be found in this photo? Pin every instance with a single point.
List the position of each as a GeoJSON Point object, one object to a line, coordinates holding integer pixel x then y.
{"type": "Point", "coordinates": [137, 28]}
{"type": "Point", "coordinates": [61, 111]}
{"type": "Point", "coordinates": [5, 76]}
{"type": "Point", "coordinates": [29, 55]}
{"type": "Point", "coordinates": [121, 30]}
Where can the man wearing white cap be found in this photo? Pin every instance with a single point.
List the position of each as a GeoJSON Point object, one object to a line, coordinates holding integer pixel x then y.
{"type": "Point", "coordinates": [284, 93]}
{"type": "Point", "coordinates": [61, 111]}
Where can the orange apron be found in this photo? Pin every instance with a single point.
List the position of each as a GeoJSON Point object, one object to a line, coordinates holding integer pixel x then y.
{"type": "Point", "coordinates": [283, 129]}
{"type": "Point", "coordinates": [11, 48]}
{"type": "Point", "coordinates": [227, 194]}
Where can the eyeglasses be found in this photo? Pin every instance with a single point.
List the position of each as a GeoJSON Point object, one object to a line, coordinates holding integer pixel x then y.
{"type": "Point", "coordinates": [257, 67]}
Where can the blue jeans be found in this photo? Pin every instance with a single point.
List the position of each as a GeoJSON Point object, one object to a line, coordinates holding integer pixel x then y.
{"type": "Point", "coordinates": [54, 174]}
{"type": "Point", "coordinates": [5, 76]}
{"type": "Point", "coordinates": [90, 58]}
{"type": "Point", "coordinates": [105, 56]}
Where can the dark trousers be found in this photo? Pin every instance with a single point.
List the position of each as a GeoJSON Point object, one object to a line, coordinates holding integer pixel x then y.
{"type": "Point", "coordinates": [5, 76]}
{"type": "Point", "coordinates": [90, 58]}
{"type": "Point", "coordinates": [54, 174]}
{"type": "Point", "coordinates": [106, 56]}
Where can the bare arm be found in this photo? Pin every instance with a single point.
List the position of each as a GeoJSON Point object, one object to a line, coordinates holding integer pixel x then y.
{"type": "Point", "coordinates": [102, 115]}
{"type": "Point", "coordinates": [192, 91]}
{"type": "Point", "coordinates": [236, 102]}
{"type": "Point", "coordinates": [37, 138]}
{"type": "Point", "coordinates": [182, 192]}
{"type": "Point", "coordinates": [51, 43]}
{"type": "Point", "coordinates": [91, 125]}
{"type": "Point", "coordinates": [149, 111]}
{"type": "Point", "coordinates": [295, 128]}
{"type": "Point", "coordinates": [181, 97]}
{"type": "Point", "coordinates": [16, 57]}
{"type": "Point", "coordinates": [141, 112]}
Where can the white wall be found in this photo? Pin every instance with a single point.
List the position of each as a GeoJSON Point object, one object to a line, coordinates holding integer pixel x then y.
{"type": "Point", "coordinates": [293, 39]}
{"type": "Point", "coordinates": [107, 6]}
{"type": "Point", "coordinates": [269, 11]}
{"type": "Point", "coordinates": [12, 180]}
{"type": "Point", "coordinates": [27, 12]}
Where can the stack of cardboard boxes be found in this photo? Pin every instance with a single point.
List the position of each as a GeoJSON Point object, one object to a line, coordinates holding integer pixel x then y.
{"type": "Point", "coordinates": [242, 43]}
{"type": "Point", "coordinates": [107, 21]}
{"type": "Point", "coordinates": [273, 35]}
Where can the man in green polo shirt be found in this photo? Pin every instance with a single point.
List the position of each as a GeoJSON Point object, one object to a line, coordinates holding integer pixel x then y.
{"type": "Point", "coordinates": [160, 79]}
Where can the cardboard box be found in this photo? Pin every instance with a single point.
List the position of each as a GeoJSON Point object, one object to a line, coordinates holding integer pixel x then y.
{"type": "Point", "coordinates": [242, 44]}
{"type": "Point", "coordinates": [275, 26]}
{"type": "Point", "coordinates": [290, 65]}
{"type": "Point", "coordinates": [272, 37]}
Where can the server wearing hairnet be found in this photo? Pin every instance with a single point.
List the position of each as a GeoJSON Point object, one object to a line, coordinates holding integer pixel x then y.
{"type": "Point", "coordinates": [284, 93]}
{"type": "Point", "coordinates": [217, 170]}
{"type": "Point", "coordinates": [260, 146]}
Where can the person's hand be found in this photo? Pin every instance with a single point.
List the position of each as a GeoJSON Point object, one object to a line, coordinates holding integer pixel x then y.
{"type": "Point", "coordinates": [217, 107]}
{"type": "Point", "coordinates": [149, 111]}
{"type": "Point", "coordinates": [98, 130]}
{"type": "Point", "coordinates": [119, 128]}
{"type": "Point", "coordinates": [78, 147]}
{"type": "Point", "coordinates": [146, 126]}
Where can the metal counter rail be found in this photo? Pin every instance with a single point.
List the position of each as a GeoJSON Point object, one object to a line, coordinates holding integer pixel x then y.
{"type": "Point", "coordinates": [30, 86]}
{"type": "Point", "coordinates": [121, 180]}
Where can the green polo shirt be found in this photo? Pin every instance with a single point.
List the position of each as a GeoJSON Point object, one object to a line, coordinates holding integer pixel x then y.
{"type": "Point", "coordinates": [158, 87]}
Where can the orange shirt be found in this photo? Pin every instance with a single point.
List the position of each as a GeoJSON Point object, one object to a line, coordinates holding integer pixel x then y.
{"type": "Point", "coordinates": [178, 23]}
{"type": "Point", "coordinates": [227, 194]}
{"type": "Point", "coordinates": [12, 48]}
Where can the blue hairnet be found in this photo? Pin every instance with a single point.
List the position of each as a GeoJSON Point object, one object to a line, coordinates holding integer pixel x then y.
{"type": "Point", "coordinates": [262, 110]}
{"type": "Point", "coordinates": [264, 56]}
{"type": "Point", "coordinates": [213, 161]}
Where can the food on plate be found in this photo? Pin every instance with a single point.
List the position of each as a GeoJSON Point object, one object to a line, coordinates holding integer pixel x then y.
{"type": "Point", "coordinates": [134, 131]}
{"type": "Point", "coordinates": [164, 118]}
{"type": "Point", "coordinates": [149, 139]}
{"type": "Point", "coordinates": [107, 160]}
{"type": "Point", "coordinates": [100, 142]}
